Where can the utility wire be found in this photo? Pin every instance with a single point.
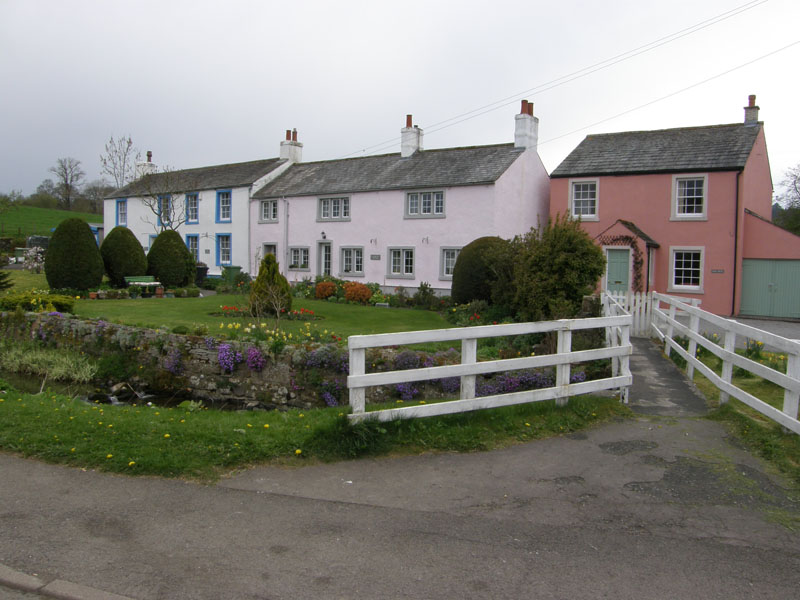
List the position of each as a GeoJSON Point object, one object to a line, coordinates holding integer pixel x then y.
{"type": "Point", "coordinates": [583, 72]}
{"type": "Point", "coordinates": [675, 93]}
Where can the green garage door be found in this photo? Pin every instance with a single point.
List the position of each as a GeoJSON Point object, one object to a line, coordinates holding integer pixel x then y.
{"type": "Point", "coordinates": [770, 288]}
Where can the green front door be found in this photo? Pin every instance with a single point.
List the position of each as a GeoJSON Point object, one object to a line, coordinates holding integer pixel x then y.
{"type": "Point", "coordinates": [618, 269]}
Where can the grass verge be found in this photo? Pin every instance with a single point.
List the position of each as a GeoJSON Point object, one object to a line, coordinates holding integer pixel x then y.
{"type": "Point", "coordinates": [760, 435]}
{"type": "Point", "coordinates": [205, 444]}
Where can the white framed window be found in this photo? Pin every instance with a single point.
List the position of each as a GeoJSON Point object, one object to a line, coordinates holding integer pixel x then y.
{"type": "Point", "coordinates": [298, 258]}
{"type": "Point", "coordinates": [401, 263]}
{"type": "Point", "coordinates": [192, 209]}
{"type": "Point", "coordinates": [689, 198]}
{"type": "Point", "coordinates": [269, 210]}
{"type": "Point", "coordinates": [164, 211]}
{"type": "Point", "coordinates": [224, 249]}
{"type": "Point", "coordinates": [122, 213]}
{"type": "Point", "coordinates": [686, 269]}
{"type": "Point", "coordinates": [352, 262]}
{"type": "Point", "coordinates": [425, 205]}
{"type": "Point", "coordinates": [448, 262]}
{"type": "Point", "coordinates": [193, 244]}
{"type": "Point", "coordinates": [334, 209]}
{"type": "Point", "coordinates": [583, 200]}
{"type": "Point", "coordinates": [224, 206]}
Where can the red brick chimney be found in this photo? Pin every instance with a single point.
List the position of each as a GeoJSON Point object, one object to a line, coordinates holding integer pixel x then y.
{"type": "Point", "coordinates": [751, 111]}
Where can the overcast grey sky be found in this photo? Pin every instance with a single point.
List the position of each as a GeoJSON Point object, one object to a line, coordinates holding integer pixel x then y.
{"type": "Point", "coordinates": [210, 82]}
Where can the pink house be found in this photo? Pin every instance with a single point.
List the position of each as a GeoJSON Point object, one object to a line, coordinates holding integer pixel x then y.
{"type": "Point", "coordinates": [400, 219]}
{"type": "Point", "coordinates": [686, 212]}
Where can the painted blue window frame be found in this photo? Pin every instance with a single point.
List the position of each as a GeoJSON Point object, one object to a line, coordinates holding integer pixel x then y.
{"type": "Point", "coordinates": [168, 198]}
{"type": "Point", "coordinates": [196, 220]}
{"type": "Point", "coordinates": [218, 215]}
{"type": "Point", "coordinates": [151, 239]}
{"type": "Point", "coordinates": [230, 238]}
{"type": "Point", "coordinates": [121, 202]}
{"type": "Point", "coordinates": [197, 238]}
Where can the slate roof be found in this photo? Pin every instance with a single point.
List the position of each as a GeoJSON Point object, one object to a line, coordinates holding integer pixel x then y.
{"type": "Point", "coordinates": [472, 165]}
{"type": "Point", "coordinates": [203, 178]}
{"type": "Point", "coordinates": [710, 148]}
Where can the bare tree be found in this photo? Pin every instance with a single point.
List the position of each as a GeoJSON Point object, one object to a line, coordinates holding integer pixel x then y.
{"type": "Point", "coordinates": [787, 214]}
{"type": "Point", "coordinates": [119, 160]}
{"type": "Point", "coordinates": [69, 177]}
{"type": "Point", "coordinates": [165, 196]}
{"type": "Point", "coordinates": [94, 192]}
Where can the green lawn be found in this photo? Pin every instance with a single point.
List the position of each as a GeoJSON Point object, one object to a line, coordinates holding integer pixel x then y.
{"type": "Point", "coordinates": [343, 319]}
{"type": "Point", "coordinates": [28, 220]}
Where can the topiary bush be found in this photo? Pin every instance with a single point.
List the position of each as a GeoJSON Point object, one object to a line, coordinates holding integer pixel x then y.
{"type": "Point", "coordinates": [479, 266]}
{"type": "Point", "coordinates": [270, 293]}
{"type": "Point", "coordinates": [170, 261]}
{"type": "Point", "coordinates": [73, 259]}
{"type": "Point", "coordinates": [123, 256]}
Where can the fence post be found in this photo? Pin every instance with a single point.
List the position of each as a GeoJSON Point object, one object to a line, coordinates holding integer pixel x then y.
{"type": "Point", "coordinates": [672, 310]}
{"type": "Point", "coordinates": [469, 355]}
{"type": "Point", "coordinates": [564, 346]}
{"type": "Point", "coordinates": [694, 325]}
{"type": "Point", "coordinates": [357, 367]}
{"type": "Point", "coordinates": [625, 361]}
{"type": "Point", "coordinates": [790, 398]}
{"type": "Point", "coordinates": [729, 344]}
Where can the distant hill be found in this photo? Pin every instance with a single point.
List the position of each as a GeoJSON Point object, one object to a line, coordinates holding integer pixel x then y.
{"type": "Point", "coordinates": [31, 220]}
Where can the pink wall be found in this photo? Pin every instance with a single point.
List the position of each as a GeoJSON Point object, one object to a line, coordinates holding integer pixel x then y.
{"type": "Point", "coordinates": [646, 201]}
{"type": "Point", "coordinates": [762, 239]}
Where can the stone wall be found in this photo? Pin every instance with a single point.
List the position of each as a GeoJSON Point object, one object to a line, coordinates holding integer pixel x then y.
{"type": "Point", "coordinates": [188, 366]}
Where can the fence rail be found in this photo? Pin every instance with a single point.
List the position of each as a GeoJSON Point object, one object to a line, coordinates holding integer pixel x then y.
{"type": "Point", "coordinates": [665, 325]}
{"type": "Point", "coordinates": [618, 349]}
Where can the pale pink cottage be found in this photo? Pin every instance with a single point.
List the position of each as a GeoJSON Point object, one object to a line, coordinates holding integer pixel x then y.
{"type": "Point", "coordinates": [686, 212]}
{"type": "Point", "coordinates": [399, 219]}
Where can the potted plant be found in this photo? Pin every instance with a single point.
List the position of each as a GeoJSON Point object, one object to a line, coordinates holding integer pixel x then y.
{"type": "Point", "coordinates": [134, 291]}
{"type": "Point", "coordinates": [159, 292]}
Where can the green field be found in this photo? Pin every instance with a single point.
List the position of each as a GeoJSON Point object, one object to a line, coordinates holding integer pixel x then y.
{"type": "Point", "coordinates": [31, 220]}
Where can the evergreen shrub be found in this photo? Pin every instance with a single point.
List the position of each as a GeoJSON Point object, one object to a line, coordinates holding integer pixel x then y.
{"type": "Point", "coordinates": [478, 269]}
{"type": "Point", "coordinates": [123, 256]}
{"type": "Point", "coordinates": [270, 292]}
{"type": "Point", "coordinates": [73, 259]}
{"type": "Point", "coordinates": [170, 261]}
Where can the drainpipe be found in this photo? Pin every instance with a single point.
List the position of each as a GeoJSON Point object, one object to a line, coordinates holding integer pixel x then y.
{"type": "Point", "coordinates": [286, 237]}
{"type": "Point", "coordinates": [735, 246]}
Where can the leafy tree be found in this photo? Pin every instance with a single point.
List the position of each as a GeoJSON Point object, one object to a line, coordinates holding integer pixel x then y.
{"type": "Point", "coordinates": [69, 176]}
{"type": "Point", "coordinates": [170, 261]}
{"type": "Point", "coordinates": [119, 160]}
{"type": "Point", "coordinates": [556, 266]}
{"type": "Point", "coordinates": [73, 259]}
{"type": "Point", "coordinates": [270, 292]}
{"type": "Point", "coordinates": [123, 256]}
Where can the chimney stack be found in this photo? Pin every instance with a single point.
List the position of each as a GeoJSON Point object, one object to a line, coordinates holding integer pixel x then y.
{"type": "Point", "coordinates": [526, 133]}
{"type": "Point", "coordinates": [291, 149]}
{"type": "Point", "coordinates": [146, 168]}
{"type": "Point", "coordinates": [751, 111]}
{"type": "Point", "coordinates": [410, 138]}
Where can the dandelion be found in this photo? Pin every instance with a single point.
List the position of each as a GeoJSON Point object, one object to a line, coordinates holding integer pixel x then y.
{"type": "Point", "coordinates": [166, 436]}
{"type": "Point", "coordinates": [527, 424]}
{"type": "Point", "coordinates": [72, 449]}
{"type": "Point", "coordinates": [249, 425]}
{"type": "Point", "coordinates": [266, 425]}
{"type": "Point", "coordinates": [298, 452]}
{"type": "Point", "coordinates": [109, 455]}
{"type": "Point", "coordinates": [133, 462]}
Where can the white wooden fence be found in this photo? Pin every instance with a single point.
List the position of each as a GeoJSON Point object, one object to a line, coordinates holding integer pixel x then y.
{"type": "Point", "coordinates": [619, 350]}
{"type": "Point", "coordinates": [640, 307]}
{"type": "Point", "coordinates": [666, 326]}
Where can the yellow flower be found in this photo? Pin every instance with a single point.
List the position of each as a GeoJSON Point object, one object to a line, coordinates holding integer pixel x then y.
{"type": "Point", "coordinates": [133, 462]}
{"type": "Point", "coordinates": [109, 455]}
{"type": "Point", "coordinates": [249, 425]}
{"type": "Point", "coordinates": [298, 452]}
{"type": "Point", "coordinates": [166, 435]}
{"type": "Point", "coordinates": [266, 425]}
{"type": "Point", "coordinates": [527, 424]}
{"type": "Point", "coordinates": [301, 415]}
{"type": "Point", "coordinates": [72, 449]}
{"type": "Point", "coordinates": [222, 325]}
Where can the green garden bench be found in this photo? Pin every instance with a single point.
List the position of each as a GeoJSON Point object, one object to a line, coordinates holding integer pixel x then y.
{"type": "Point", "coordinates": [142, 281]}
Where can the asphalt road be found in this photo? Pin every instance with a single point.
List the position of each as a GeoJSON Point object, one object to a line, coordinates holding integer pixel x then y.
{"type": "Point", "coordinates": [664, 505]}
